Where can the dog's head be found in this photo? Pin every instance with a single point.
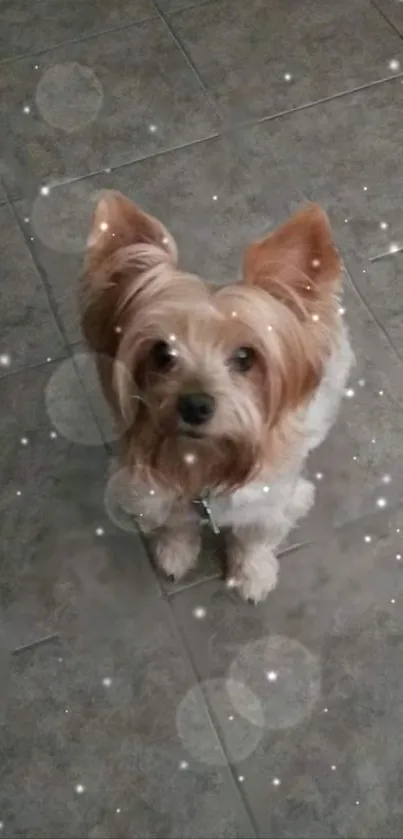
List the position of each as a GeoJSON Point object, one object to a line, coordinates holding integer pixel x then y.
{"type": "Point", "coordinates": [206, 379]}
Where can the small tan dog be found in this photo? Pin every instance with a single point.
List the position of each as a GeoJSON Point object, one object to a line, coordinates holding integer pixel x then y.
{"type": "Point", "coordinates": [220, 392]}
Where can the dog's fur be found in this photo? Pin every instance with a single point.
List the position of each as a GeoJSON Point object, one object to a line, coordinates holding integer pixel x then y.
{"type": "Point", "coordinates": [249, 455]}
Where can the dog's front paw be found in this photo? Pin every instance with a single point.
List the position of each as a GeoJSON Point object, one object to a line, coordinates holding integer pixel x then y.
{"type": "Point", "coordinates": [303, 499]}
{"type": "Point", "coordinates": [255, 574]}
{"type": "Point", "coordinates": [176, 554]}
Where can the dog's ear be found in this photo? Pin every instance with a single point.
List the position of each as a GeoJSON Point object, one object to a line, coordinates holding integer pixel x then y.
{"type": "Point", "coordinates": [123, 243]}
{"type": "Point", "coordinates": [118, 223]}
{"type": "Point", "coordinates": [298, 263]}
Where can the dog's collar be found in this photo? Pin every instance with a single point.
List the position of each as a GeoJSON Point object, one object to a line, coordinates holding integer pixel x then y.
{"type": "Point", "coordinates": [202, 504]}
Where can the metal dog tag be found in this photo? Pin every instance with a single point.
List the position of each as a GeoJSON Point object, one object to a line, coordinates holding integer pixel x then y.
{"type": "Point", "coordinates": [206, 514]}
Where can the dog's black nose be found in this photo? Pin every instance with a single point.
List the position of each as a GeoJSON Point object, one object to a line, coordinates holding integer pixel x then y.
{"type": "Point", "coordinates": [195, 408]}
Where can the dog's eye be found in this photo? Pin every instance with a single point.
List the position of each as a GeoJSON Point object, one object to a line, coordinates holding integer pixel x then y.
{"type": "Point", "coordinates": [163, 355]}
{"type": "Point", "coordinates": [242, 359]}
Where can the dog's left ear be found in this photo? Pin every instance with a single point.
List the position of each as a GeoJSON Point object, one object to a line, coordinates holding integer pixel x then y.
{"type": "Point", "coordinates": [298, 263]}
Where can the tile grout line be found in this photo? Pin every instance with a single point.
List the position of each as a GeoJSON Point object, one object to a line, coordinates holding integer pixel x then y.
{"type": "Point", "coordinates": [188, 58]}
{"type": "Point", "coordinates": [374, 4]}
{"type": "Point", "coordinates": [71, 41]}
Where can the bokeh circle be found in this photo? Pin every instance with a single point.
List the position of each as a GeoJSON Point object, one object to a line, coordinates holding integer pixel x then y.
{"type": "Point", "coordinates": [74, 398]}
{"type": "Point", "coordinates": [118, 500]}
{"type": "Point", "coordinates": [284, 674]}
{"type": "Point", "coordinates": [69, 96]}
{"type": "Point", "coordinates": [240, 733]}
{"type": "Point", "coordinates": [61, 217]}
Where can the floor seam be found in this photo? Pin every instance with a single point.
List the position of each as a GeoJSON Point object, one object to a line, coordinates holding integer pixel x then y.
{"type": "Point", "coordinates": [186, 55]}
{"type": "Point", "coordinates": [391, 24]}
{"type": "Point", "coordinates": [71, 41]}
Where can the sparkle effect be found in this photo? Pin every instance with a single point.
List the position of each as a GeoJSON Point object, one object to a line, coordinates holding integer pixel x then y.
{"type": "Point", "coordinates": [272, 676]}
{"type": "Point", "coordinates": [79, 788]}
{"type": "Point", "coordinates": [287, 77]}
{"type": "Point", "coordinates": [386, 479]}
{"type": "Point", "coordinates": [367, 538]}
{"type": "Point", "coordinates": [276, 782]}
{"type": "Point", "coordinates": [5, 360]}
{"type": "Point", "coordinates": [107, 681]}
{"type": "Point", "coordinates": [349, 392]}
{"type": "Point", "coordinates": [199, 613]}
{"type": "Point", "coordinates": [319, 476]}
{"type": "Point", "coordinates": [190, 458]}
{"type": "Point", "coordinates": [183, 765]}
{"type": "Point", "coordinates": [26, 109]}
{"type": "Point", "coordinates": [381, 503]}
{"type": "Point", "coordinates": [45, 190]}
{"type": "Point", "coordinates": [393, 247]}
{"type": "Point", "coordinates": [383, 225]}
{"type": "Point", "coordinates": [24, 441]}
{"type": "Point", "coordinates": [394, 65]}
{"type": "Point", "coordinates": [315, 318]}
{"type": "Point", "coordinates": [100, 531]}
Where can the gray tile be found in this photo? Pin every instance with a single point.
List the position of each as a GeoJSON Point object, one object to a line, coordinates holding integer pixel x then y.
{"type": "Point", "coordinates": [169, 7]}
{"type": "Point", "coordinates": [28, 28]}
{"type": "Point", "coordinates": [29, 334]}
{"type": "Point", "coordinates": [358, 183]}
{"type": "Point", "coordinates": [82, 756]}
{"type": "Point", "coordinates": [245, 53]}
{"type": "Point", "coordinates": [321, 661]}
{"type": "Point", "coordinates": [85, 115]}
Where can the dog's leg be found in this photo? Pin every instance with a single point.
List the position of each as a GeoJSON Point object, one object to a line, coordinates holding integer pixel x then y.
{"type": "Point", "coordinates": [253, 566]}
{"type": "Point", "coordinates": [177, 548]}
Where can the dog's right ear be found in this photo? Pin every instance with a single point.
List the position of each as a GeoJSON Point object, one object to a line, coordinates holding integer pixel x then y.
{"type": "Point", "coordinates": [118, 223]}
{"type": "Point", "coordinates": [123, 243]}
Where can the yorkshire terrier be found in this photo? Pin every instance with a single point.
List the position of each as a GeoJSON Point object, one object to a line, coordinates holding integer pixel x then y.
{"type": "Point", "coordinates": [220, 391]}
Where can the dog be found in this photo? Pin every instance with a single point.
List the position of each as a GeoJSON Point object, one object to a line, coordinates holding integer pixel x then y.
{"type": "Point", "coordinates": [220, 392]}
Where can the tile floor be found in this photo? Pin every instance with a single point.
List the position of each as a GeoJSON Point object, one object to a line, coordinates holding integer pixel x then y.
{"type": "Point", "coordinates": [221, 117]}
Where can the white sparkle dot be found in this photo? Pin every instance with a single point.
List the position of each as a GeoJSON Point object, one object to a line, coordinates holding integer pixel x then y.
{"type": "Point", "coordinates": [173, 338]}
{"type": "Point", "coordinates": [118, 809]}
{"type": "Point", "coordinates": [31, 239]}
{"type": "Point", "coordinates": [107, 171]}
{"type": "Point", "coordinates": [199, 612]}
{"type": "Point", "coordinates": [79, 788]}
{"type": "Point", "coordinates": [398, 530]}
{"type": "Point", "coordinates": [272, 676]}
{"type": "Point", "coordinates": [234, 314]}
{"type": "Point", "coordinates": [48, 359]}
{"type": "Point", "coordinates": [18, 492]}
{"type": "Point", "coordinates": [383, 225]}
{"type": "Point", "coordinates": [60, 659]}
{"type": "Point", "coordinates": [325, 710]}
{"type": "Point", "coordinates": [26, 109]}
{"type": "Point", "coordinates": [357, 802]}
{"type": "Point", "coordinates": [308, 287]}
{"type": "Point", "coordinates": [100, 531]}
{"type": "Point", "coordinates": [26, 219]}
{"type": "Point", "coordinates": [118, 329]}
{"type": "Point", "coordinates": [53, 435]}
{"type": "Point", "coordinates": [315, 318]}
{"type": "Point", "coordinates": [152, 491]}
{"type": "Point", "coordinates": [36, 67]}
{"type": "Point", "coordinates": [107, 681]}
{"type": "Point", "coordinates": [393, 600]}
{"type": "Point", "coordinates": [349, 392]}
{"type": "Point", "coordinates": [355, 457]}
{"type": "Point", "coordinates": [373, 441]}
{"type": "Point", "coordinates": [104, 225]}
{"type": "Point", "coordinates": [367, 538]}
{"type": "Point", "coordinates": [393, 247]}
{"type": "Point", "coordinates": [165, 240]}
{"type": "Point", "coordinates": [152, 128]}
{"type": "Point", "coordinates": [5, 360]}
{"type": "Point", "coordinates": [315, 263]}
{"type": "Point", "coordinates": [346, 221]}
{"type": "Point", "coordinates": [215, 197]}
{"type": "Point", "coordinates": [231, 582]}
{"type": "Point", "coordinates": [361, 382]}
{"type": "Point", "coordinates": [365, 188]}
{"type": "Point", "coordinates": [381, 503]}
{"type": "Point", "coordinates": [241, 778]}
{"type": "Point", "coordinates": [319, 476]}
{"type": "Point", "coordinates": [333, 767]}
{"type": "Point", "coordinates": [364, 271]}
{"type": "Point", "coordinates": [276, 782]}
{"type": "Point", "coordinates": [287, 77]}
{"type": "Point", "coordinates": [394, 65]}
{"type": "Point", "coordinates": [380, 392]}
{"type": "Point", "coordinates": [24, 441]}
{"type": "Point", "coordinates": [45, 190]}
{"type": "Point", "coordinates": [398, 557]}
{"type": "Point", "coordinates": [386, 479]}
{"type": "Point", "coordinates": [66, 711]}
{"type": "Point", "coordinates": [183, 765]}
{"type": "Point", "coordinates": [342, 310]}
{"type": "Point", "coordinates": [266, 489]}
{"type": "Point", "coordinates": [231, 718]}
{"type": "Point", "coordinates": [270, 328]}
{"type": "Point", "coordinates": [190, 458]}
